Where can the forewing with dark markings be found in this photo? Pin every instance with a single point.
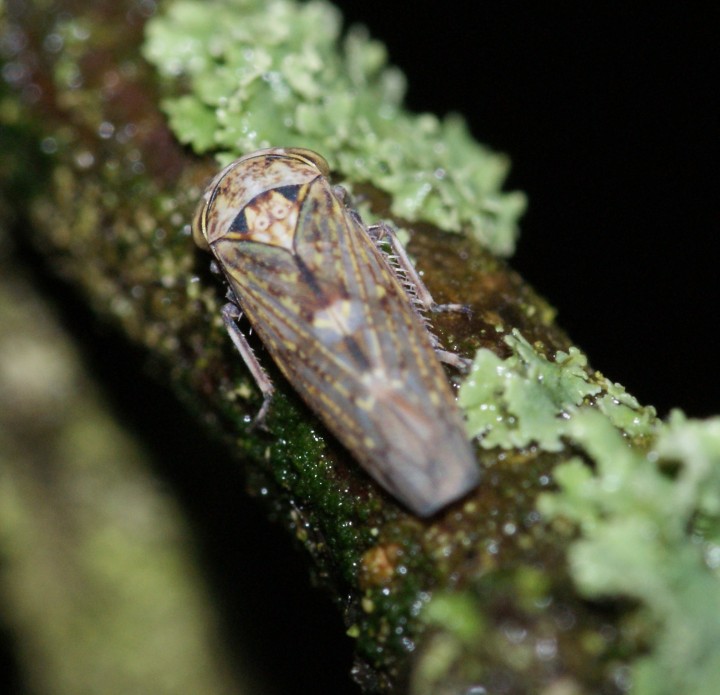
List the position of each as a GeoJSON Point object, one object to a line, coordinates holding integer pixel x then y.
{"type": "Point", "coordinates": [340, 326]}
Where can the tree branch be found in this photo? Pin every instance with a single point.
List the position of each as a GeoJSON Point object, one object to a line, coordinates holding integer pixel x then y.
{"type": "Point", "coordinates": [481, 593]}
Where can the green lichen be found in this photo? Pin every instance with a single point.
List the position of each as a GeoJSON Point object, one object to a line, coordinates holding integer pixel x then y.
{"type": "Point", "coordinates": [529, 399]}
{"type": "Point", "coordinates": [648, 510]}
{"type": "Point", "coordinates": [246, 74]}
{"type": "Point", "coordinates": [652, 537]}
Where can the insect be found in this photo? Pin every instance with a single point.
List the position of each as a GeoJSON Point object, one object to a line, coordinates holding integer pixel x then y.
{"type": "Point", "coordinates": [341, 323]}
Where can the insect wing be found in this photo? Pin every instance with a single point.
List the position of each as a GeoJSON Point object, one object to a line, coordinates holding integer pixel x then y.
{"type": "Point", "coordinates": [410, 429]}
{"type": "Point", "coordinates": [341, 328]}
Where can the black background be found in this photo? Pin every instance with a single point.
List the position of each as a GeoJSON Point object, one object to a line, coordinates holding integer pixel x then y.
{"type": "Point", "coordinates": [605, 109]}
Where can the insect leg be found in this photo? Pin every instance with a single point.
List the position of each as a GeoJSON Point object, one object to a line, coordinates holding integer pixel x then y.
{"type": "Point", "coordinates": [231, 315]}
{"type": "Point", "coordinates": [422, 294]}
{"type": "Point", "coordinates": [418, 292]}
{"type": "Point", "coordinates": [462, 364]}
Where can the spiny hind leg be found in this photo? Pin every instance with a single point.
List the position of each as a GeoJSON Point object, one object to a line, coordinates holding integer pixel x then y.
{"type": "Point", "coordinates": [408, 276]}
{"type": "Point", "coordinates": [417, 291]}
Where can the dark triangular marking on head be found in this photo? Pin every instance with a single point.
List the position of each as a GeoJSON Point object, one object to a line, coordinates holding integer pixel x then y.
{"type": "Point", "coordinates": [239, 224]}
{"type": "Point", "coordinates": [289, 192]}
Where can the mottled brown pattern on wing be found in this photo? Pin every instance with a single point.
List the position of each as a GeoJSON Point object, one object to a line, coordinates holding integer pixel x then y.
{"type": "Point", "coordinates": [339, 325]}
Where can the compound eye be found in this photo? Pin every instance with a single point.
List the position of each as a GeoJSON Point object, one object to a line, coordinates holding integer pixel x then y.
{"type": "Point", "coordinates": [198, 226]}
{"type": "Point", "coordinates": [311, 157]}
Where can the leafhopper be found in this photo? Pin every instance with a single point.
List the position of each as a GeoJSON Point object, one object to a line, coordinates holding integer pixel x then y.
{"type": "Point", "coordinates": [342, 322]}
